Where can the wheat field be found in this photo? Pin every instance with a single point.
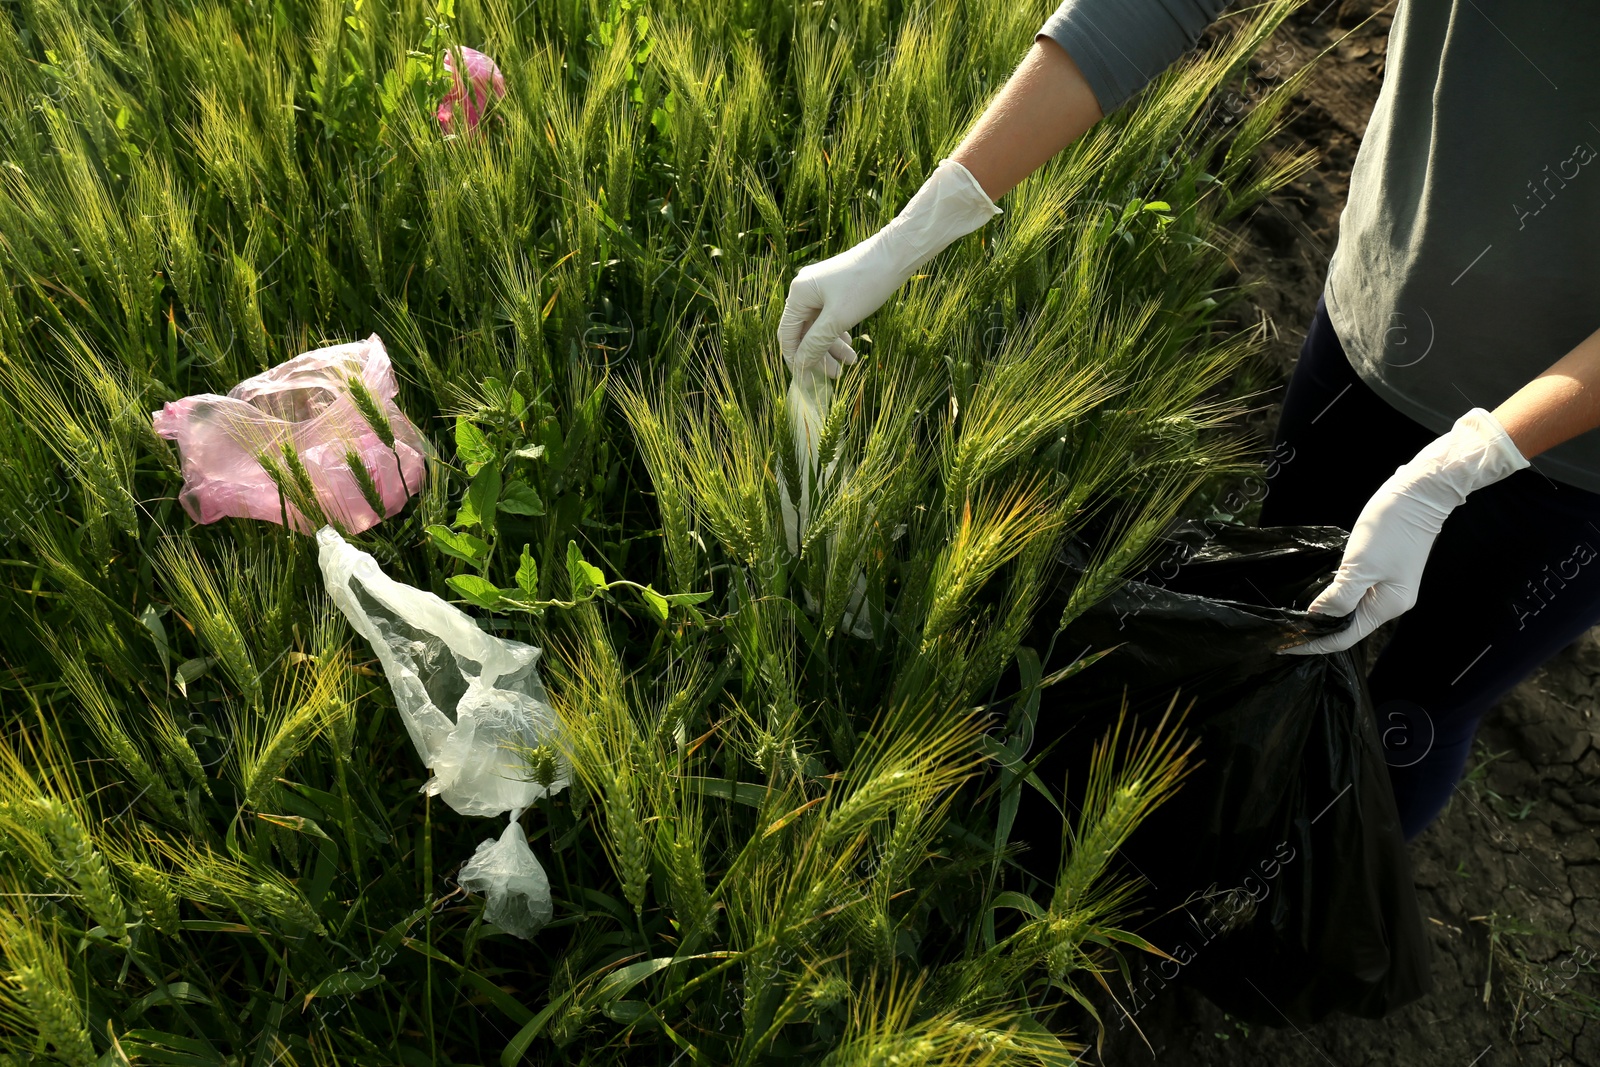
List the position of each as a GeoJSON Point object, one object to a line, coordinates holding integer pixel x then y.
{"type": "Point", "coordinates": [784, 842]}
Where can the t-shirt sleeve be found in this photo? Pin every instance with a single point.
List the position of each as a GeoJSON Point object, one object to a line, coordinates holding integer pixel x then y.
{"type": "Point", "coordinates": [1121, 45]}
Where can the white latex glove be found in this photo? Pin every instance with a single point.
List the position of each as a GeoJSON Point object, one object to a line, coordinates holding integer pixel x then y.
{"type": "Point", "coordinates": [827, 299]}
{"type": "Point", "coordinates": [1384, 557]}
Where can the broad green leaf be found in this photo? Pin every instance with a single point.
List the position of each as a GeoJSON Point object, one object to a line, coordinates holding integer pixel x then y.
{"type": "Point", "coordinates": [471, 445]}
{"type": "Point", "coordinates": [1022, 728]}
{"type": "Point", "coordinates": [462, 546]}
{"type": "Point", "coordinates": [191, 670]}
{"type": "Point", "coordinates": [626, 1011]}
{"type": "Point", "coordinates": [515, 1010]}
{"type": "Point", "coordinates": [584, 575]}
{"type": "Point", "coordinates": [517, 1047]}
{"type": "Point", "coordinates": [158, 633]}
{"type": "Point", "coordinates": [1010, 754]}
{"type": "Point", "coordinates": [739, 792]}
{"type": "Point", "coordinates": [427, 950]}
{"type": "Point", "coordinates": [528, 573]}
{"type": "Point", "coordinates": [315, 885]}
{"type": "Point", "coordinates": [156, 1046]}
{"type": "Point", "coordinates": [300, 824]}
{"type": "Point", "coordinates": [554, 443]}
{"type": "Point", "coordinates": [528, 452]}
{"type": "Point", "coordinates": [1025, 904]}
{"type": "Point", "coordinates": [655, 602]}
{"type": "Point", "coordinates": [616, 984]}
{"type": "Point", "coordinates": [1106, 935]}
{"type": "Point", "coordinates": [482, 497]}
{"type": "Point", "coordinates": [1012, 765]}
{"type": "Point", "coordinates": [174, 993]}
{"type": "Point", "coordinates": [519, 498]}
{"type": "Point", "coordinates": [318, 804]}
{"type": "Point", "coordinates": [686, 599]}
{"type": "Point", "coordinates": [1075, 666]}
{"type": "Point", "coordinates": [479, 591]}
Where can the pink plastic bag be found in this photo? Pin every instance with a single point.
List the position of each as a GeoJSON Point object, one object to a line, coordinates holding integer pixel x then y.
{"type": "Point", "coordinates": [484, 76]}
{"type": "Point", "coordinates": [304, 403]}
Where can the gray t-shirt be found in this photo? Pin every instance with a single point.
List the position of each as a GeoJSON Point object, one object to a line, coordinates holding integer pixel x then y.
{"type": "Point", "coordinates": [1469, 250]}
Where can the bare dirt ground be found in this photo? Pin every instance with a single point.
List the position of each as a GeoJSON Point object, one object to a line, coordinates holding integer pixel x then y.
{"type": "Point", "coordinates": [1509, 876]}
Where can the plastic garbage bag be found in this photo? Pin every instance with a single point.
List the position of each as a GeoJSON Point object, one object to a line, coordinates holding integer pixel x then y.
{"type": "Point", "coordinates": [304, 404]}
{"type": "Point", "coordinates": [469, 95]}
{"type": "Point", "coordinates": [810, 396]}
{"type": "Point", "coordinates": [505, 871]}
{"type": "Point", "coordinates": [472, 704]}
{"type": "Point", "coordinates": [1277, 877]}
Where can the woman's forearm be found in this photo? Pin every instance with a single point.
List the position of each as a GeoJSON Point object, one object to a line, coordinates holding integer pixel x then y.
{"type": "Point", "coordinates": [1559, 404]}
{"type": "Point", "coordinates": [1045, 106]}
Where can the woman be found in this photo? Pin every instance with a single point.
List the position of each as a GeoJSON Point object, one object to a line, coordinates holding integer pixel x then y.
{"type": "Point", "coordinates": [1467, 274]}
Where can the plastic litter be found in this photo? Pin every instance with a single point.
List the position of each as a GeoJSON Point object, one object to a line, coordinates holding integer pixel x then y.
{"type": "Point", "coordinates": [810, 396]}
{"type": "Point", "coordinates": [484, 76]}
{"type": "Point", "coordinates": [1288, 831]}
{"type": "Point", "coordinates": [472, 704]}
{"type": "Point", "coordinates": [506, 872]}
{"type": "Point", "coordinates": [304, 404]}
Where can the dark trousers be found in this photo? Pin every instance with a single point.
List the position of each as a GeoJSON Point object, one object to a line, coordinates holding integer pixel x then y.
{"type": "Point", "coordinates": [1513, 578]}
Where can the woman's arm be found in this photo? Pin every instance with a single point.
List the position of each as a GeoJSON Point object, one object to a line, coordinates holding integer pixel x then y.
{"type": "Point", "coordinates": [1381, 572]}
{"type": "Point", "coordinates": [1559, 404]}
{"type": "Point", "coordinates": [1045, 106]}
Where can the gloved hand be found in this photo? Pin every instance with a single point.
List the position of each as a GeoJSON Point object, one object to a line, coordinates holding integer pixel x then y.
{"type": "Point", "coordinates": [1383, 560]}
{"type": "Point", "coordinates": [827, 299]}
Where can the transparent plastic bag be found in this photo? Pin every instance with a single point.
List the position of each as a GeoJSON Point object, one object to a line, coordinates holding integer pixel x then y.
{"type": "Point", "coordinates": [304, 404]}
{"type": "Point", "coordinates": [506, 872]}
{"type": "Point", "coordinates": [473, 704]}
{"type": "Point", "coordinates": [468, 699]}
{"type": "Point", "coordinates": [810, 397]}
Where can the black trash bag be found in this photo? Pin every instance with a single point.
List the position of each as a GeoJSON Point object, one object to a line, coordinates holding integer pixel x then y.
{"type": "Point", "coordinates": [1277, 875]}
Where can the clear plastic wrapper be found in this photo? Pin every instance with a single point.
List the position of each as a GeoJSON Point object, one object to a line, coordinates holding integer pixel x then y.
{"type": "Point", "coordinates": [505, 871]}
{"type": "Point", "coordinates": [473, 705]}
{"type": "Point", "coordinates": [810, 396]}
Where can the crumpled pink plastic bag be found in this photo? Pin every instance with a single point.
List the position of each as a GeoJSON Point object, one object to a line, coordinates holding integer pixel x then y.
{"type": "Point", "coordinates": [483, 75]}
{"type": "Point", "coordinates": [304, 402]}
